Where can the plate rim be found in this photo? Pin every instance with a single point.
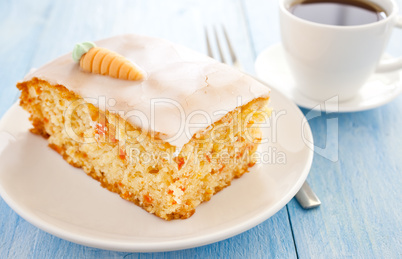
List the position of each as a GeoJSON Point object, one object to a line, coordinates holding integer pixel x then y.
{"type": "Point", "coordinates": [167, 245]}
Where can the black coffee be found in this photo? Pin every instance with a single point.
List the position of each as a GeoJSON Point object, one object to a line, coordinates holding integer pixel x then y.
{"type": "Point", "coordinates": [338, 12]}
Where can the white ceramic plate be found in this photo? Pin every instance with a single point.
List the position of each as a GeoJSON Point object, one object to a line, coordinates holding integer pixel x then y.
{"type": "Point", "coordinates": [62, 200]}
{"type": "Point", "coordinates": [380, 88]}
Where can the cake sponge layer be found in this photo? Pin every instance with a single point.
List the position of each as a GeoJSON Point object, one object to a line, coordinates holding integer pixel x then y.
{"type": "Point", "coordinates": [138, 165]}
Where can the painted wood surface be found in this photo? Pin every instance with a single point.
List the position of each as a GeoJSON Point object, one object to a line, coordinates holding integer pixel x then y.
{"type": "Point", "coordinates": [360, 188]}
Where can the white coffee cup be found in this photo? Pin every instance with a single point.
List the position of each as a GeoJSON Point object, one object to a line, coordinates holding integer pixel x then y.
{"type": "Point", "coordinates": [328, 61]}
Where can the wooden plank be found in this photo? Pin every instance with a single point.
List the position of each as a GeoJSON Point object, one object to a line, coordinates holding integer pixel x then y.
{"type": "Point", "coordinates": [263, 21]}
{"type": "Point", "coordinates": [361, 196]}
{"type": "Point", "coordinates": [360, 191]}
{"type": "Point", "coordinates": [66, 23]}
{"type": "Point", "coordinates": [19, 40]}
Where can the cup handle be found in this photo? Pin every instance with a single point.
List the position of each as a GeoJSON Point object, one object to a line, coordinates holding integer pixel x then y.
{"type": "Point", "coordinates": [392, 64]}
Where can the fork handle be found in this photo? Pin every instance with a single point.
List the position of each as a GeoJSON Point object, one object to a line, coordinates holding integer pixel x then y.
{"type": "Point", "coordinates": [307, 198]}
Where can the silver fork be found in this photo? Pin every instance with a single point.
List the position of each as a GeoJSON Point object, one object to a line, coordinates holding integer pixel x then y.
{"type": "Point", "coordinates": [234, 61]}
{"type": "Point", "coordinates": [305, 196]}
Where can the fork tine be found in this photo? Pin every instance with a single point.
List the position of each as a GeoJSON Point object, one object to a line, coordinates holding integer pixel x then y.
{"type": "Point", "coordinates": [209, 49]}
{"type": "Point", "coordinates": [231, 51]}
{"type": "Point", "coordinates": [232, 54]}
{"type": "Point", "coordinates": [222, 57]}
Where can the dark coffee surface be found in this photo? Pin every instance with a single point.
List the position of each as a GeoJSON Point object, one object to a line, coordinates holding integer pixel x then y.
{"type": "Point", "coordinates": [338, 12]}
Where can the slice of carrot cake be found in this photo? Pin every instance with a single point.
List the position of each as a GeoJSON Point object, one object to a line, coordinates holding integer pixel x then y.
{"type": "Point", "coordinates": [161, 125]}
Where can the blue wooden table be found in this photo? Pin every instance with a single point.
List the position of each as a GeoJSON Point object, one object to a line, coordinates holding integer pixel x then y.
{"type": "Point", "coordinates": [358, 179]}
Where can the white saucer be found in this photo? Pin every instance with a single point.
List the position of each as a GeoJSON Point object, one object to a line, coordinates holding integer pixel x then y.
{"type": "Point", "coordinates": [380, 88]}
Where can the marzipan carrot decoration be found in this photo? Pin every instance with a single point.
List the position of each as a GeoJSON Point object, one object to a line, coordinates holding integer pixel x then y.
{"type": "Point", "coordinates": [103, 61]}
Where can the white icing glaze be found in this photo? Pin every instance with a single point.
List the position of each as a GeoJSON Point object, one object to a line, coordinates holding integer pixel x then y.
{"type": "Point", "coordinates": [175, 76]}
